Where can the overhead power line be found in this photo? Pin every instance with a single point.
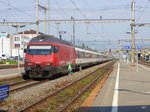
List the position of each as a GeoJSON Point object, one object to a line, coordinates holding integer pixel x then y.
{"type": "Point", "coordinates": [17, 9]}
{"type": "Point", "coordinates": [86, 17]}
{"type": "Point", "coordinates": [61, 9]}
{"type": "Point", "coordinates": [89, 6]}
{"type": "Point", "coordinates": [78, 8]}
{"type": "Point", "coordinates": [143, 11]}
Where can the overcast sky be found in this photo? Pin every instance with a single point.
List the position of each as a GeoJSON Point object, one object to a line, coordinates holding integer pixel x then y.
{"type": "Point", "coordinates": [24, 11]}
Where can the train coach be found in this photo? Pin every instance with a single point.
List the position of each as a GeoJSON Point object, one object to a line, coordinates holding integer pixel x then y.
{"type": "Point", "coordinates": [48, 55]}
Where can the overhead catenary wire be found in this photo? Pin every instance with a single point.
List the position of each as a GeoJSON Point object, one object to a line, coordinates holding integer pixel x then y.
{"type": "Point", "coordinates": [86, 17]}
{"type": "Point", "coordinates": [61, 9]}
{"type": "Point", "coordinates": [4, 18]}
{"type": "Point", "coordinates": [34, 1]}
{"type": "Point", "coordinates": [38, 1]}
{"type": "Point", "coordinates": [143, 10]}
{"type": "Point", "coordinates": [78, 8]}
{"type": "Point", "coordinates": [83, 15]}
{"type": "Point", "coordinates": [89, 6]}
{"type": "Point", "coordinates": [62, 12]}
{"type": "Point", "coordinates": [17, 9]}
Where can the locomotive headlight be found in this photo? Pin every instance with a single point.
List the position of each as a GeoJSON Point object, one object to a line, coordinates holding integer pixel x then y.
{"type": "Point", "coordinates": [48, 63]}
{"type": "Point", "coordinates": [29, 63]}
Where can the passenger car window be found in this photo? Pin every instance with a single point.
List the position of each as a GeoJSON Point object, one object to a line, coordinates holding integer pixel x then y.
{"type": "Point", "coordinates": [55, 49]}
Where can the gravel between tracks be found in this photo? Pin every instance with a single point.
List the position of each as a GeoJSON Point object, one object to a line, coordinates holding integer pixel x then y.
{"type": "Point", "coordinates": [28, 96]}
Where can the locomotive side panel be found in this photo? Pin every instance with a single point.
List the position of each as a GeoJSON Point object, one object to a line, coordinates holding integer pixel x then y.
{"type": "Point", "coordinates": [44, 62]}
{"type": "Point", "coordinates": [89, 58]}
{"type": "Point", "coordinates": [66, 56]}
{"type": "Point", "coordinates": [44, 66]}
{"type": "Point", "coordinates": [47, 56]}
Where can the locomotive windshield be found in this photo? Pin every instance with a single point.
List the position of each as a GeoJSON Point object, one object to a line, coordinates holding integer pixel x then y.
{"type": "Point", "coordinates": [39, 49]}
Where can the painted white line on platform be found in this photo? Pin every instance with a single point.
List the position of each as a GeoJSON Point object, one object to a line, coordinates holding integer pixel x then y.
{"type": "Point", "coordinates": [9, 75]}
{"type": "Point", "coordinates": [144, 67]}
{"type": "Point", "coordinates": [147, 92]}
{"type": "Point", "coordinates": [115, 98]}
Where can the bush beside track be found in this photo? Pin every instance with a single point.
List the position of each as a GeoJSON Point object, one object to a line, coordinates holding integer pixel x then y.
{"type": "Point", "coordinates": [8, 61]}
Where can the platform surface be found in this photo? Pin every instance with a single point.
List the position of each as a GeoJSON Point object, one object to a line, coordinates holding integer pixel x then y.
{"type": "Point", "coordinates": [126, 90]}
{"type": "Point", "coordinates": [11, 71]}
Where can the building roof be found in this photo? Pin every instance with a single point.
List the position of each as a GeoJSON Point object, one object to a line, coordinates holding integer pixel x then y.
{"type": "Point", "coordinates": [29, 32]}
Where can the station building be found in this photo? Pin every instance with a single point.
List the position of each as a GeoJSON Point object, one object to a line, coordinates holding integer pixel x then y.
{"type": "Point", "coordinates": [14, 45]}
{"type": "Point", "coordinates": [5, 43]}
{"type": "Point", "coordinates": [21, 40]}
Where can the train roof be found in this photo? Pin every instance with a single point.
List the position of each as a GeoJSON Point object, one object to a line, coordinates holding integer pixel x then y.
{"type": "Point", "coordinates": [87, 51]}
{"type": "Point", "coordinates": [48, 39]}
{"type": "Point", "coordinates": [90, 51]}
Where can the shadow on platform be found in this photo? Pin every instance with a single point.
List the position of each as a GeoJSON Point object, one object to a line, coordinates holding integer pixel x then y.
{"type": "Point", "coordinates": [136, 108]}
{"type": "Point", "coordinates": [133, 91]}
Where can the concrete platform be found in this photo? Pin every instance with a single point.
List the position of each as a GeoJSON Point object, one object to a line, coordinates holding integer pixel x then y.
{"type": "Point", "coordinates": [4, 73]}
{"type": "Point", "coordinates": [126, 90]}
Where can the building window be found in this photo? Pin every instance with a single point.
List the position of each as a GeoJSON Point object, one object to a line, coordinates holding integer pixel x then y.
{"type": "Point", "coordinates": [17, 45]}
{"type": "Point", "coordinates": [17, 38]}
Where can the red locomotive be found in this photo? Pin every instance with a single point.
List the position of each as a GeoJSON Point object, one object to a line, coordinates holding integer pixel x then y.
{"type": "Point", "coordinates": [48, 55]}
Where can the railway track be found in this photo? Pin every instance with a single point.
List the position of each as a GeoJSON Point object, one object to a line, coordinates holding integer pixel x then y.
{"type": "Point", "coordinates": [24, 84]}
{"type": "Point", "coordinates": [15, 87]}
{"type": "Point", "coordinates": [108, 70]}
{"type": "Point", "coordinates": [105, 69]}
{"type": "Point", "coordinates": [144, 63]}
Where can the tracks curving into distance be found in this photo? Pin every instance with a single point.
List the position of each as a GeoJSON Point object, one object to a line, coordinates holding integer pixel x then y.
{"type": "Point", "coordinates": [106, 69]}
{"type": "Point", "coordinates": [144, 63]}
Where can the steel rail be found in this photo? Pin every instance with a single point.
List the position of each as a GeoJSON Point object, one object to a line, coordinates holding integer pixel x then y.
{"type": "Point", "coordinates": [21, 82]}
{"type": "Point", "coordinates": [27, 86]}
{"type": "Point", "coordinates": [85, 89]}
{"type": "Point", "coordinates": [61, 89]}
{"type": "Point", "coordinates": [144, 63]}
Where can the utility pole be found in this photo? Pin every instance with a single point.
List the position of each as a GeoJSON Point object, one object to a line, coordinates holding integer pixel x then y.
{"type": "Point", "coordinates": [37, 17]}
{"type": "Point", "coordinates": [23, 44]}
{"type": "Point", "coordinates": [17, 27]}
{"type": "Point", "coordinates": [45, 21]}
{"type": "Point", "coordinates": [44, 8]}
{"type": "Point", "coordinates": [132, 33]}
{"type": "Point", "coordinates": [49, 17]}
{"type": "Point", "coordinates": [57, 28]}
{"type": "Point", "coordinates": [73, 40]}
{"type": "Point", "coordinates": [2, 46]}
{"type": "Point", "coordinates": [101, 17]}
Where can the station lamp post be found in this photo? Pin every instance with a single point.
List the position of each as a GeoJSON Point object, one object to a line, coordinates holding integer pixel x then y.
{"type": "Point", "coordinates": [45, 9]}
{"type": "Point", "coordinates": [17, 28]}
{"type": "Point", "coordinates": [73, 40]}
{"type": "Point", "coordinates": [37, 17]}
{"type": "Point", "coordinates": [133, 34]}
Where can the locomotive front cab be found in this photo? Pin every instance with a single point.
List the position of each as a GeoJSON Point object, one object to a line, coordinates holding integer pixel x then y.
{"type": "Point", "coordinates": [39, 60]}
